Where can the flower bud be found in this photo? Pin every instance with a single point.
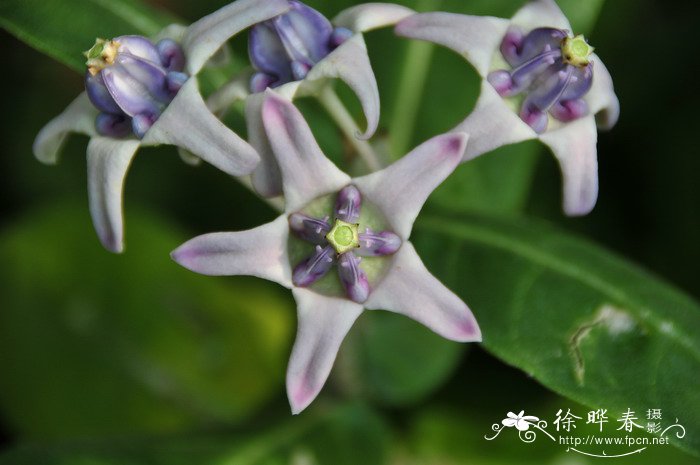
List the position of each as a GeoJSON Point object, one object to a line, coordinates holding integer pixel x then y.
{"type": "Point", "coordinates": [131, 81]}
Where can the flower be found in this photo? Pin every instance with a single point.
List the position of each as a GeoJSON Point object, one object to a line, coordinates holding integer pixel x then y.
{"type": "Point", "coordinates": [141, 93]}
{"type": "Point", "coordinates": [299, 53]}
{"type": "Point", "coordinates": [566, 88]}
{"type": "Point", "coordinates": [520, 421]}
{"type": "Point", "coordinates": [391, 276]}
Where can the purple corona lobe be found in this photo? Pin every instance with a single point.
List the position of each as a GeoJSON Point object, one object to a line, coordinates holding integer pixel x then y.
{"type": "Point", "coordinates": [353, 278]}
{"type": "Point", "coordinates": [552, 81]}
{"type": "Point", "coordinates": [340, 244]}
{"type": "Point", "coordinates": [131, 81]}
{"type": "Point", "coordinates": [284, 48]}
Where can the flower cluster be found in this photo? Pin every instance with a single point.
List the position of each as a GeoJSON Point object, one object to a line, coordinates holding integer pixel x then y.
{"type": "Point", "coordinates": [538, 81]}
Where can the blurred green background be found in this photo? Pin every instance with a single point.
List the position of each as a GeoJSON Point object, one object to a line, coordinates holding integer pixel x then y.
{"type": "Point", "coordinates": [132, 360]}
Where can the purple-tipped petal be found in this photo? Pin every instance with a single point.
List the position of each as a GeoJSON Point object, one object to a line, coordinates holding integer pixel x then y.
{"type": "Point", "coordinates": [350, 64]}
{"type": "Point", "coordinates": [132, 95]}
{"type": "Point", "coordinates": [540, 13]}
{"type": "Point", "coordinates": [78, 117]}
{"type": "Point", "coordinates": [475, 37]}
{"type": "Point", "coordinates": [369, 16]}
{"type": "Point", "coordinates": [348, 204]}
{"type": "Point", "coordinates": [378, 244]}
{"type": "Point", "coordinates": [315, 267]}
{"type": "Point", "coordinates": [267, 178]}
{"type": "Point", "coordinates": [115, 126]}
{"type": "Point", "coordinates": [138, 46]}
{"type": "Point", "coordinates": [401, 189]}
{"type": "Point", "coordinates": [574, 146]}
{"type": "Point", "coordinates": [171, 55]}
{"type": "Point", "coordinates": [140, 124]}
{"type": "Point", "coordinates": [492, 124]}
{"type": "Point", "coordinates": [310, 229]}
{"type": "Point", "coordinates": [201, 133]}
{"type": "Point", "coordinates": [353, 278]}
{"type": "Point", "coordinates": [569, 110]}
{"type": "Point", "coordinates": [323, 323]}
{"type": "Point", "coordinates": [99, 94]}
{"type": "Point", "coordinates": [306, 172]}
{"type": "Point", "coordinates": [601, 99]}
{"type": "Point", "coordinates": [410, 289]}
{"type": "Point", "coordinates": [108, 161]}
{"type": "Point", "coordinates": [260, 252]}
{"type": "Point", "coordinates": [205, 37]}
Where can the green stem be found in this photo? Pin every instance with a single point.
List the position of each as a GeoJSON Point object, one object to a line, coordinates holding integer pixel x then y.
{"type": "Point", "coordinates": [414, 74]}
{"type": "Point", "coordinates": [336, 109]}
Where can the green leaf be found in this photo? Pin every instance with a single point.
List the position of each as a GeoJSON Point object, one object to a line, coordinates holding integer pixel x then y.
{"type": "Point", "coordinates": [347, 435]}
{"type": "Point", "coordinates": [394, 360]}
{"type": "Point", "coordinates": [580, 320]}
{"type": "Point", "coordinates": [93, 343]}
{"type": "Point", "coordinates": [64, 29]}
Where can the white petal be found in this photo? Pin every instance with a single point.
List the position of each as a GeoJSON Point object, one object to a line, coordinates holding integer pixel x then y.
{"type": "Point", "coordinates": [477, 38]}
{"type": "Point", "coordinates": [205, 37]}
{"type": "Point", "coordinates": [260, 252]}
{"type": "Point", "coordinates": [509, 422]}
{"type": "Point", "coordinates": [574, 146]}
{"type": "Point", "coordinates": [522, 425]}
{"type": "Point", "coordinates": [78, 117]}
{"type": "Point", "coordinates": [411, 290]}
{"type": "Point", "coordinates": [602, 101]}
{"type": "Point", "coordinates": [369, 16]}
{"type": "Point", "coordinates": [350, 64]}
{"type": "Point", "coordinates": [492, 124]}
{"type": "Point", "coordinates": [306, 172]}
{"type": "Point", "coordinates": [108, 161]}
{"type": "Point", "coordinates": [323, 323]}
{"type": "Point", "coordinates": [400, 190]}
{"type": "Point", "coordinates": [541, 13]}
{"type": "Point", "coordinates": [266, 179]}
{"type": "Point", "coordinates": [188, 123]}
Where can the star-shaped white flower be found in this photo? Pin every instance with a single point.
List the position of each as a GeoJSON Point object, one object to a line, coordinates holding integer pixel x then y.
{"type": "Point", "coordinates": [495, 123]}
{"type": "Point", "coordinates": [404, 285]}
{"type": "Point", "coordinates": [186, 122]}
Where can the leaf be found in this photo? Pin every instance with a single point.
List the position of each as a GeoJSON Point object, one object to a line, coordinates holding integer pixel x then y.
{"type": "Point", "coordinates": [63, 29]}
{"type": "Point", "coordinates": [394, 360]}
{"type": "Point", "coordinates": [580, 320]}
{"type": "Point", "coordinates": [347, 435]}
{"type": "Point", "coordinates": [92, 343]}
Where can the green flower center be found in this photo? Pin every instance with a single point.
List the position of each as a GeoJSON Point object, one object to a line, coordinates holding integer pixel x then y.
{"type": "Point", "coordinates": [576, 51]}
{"type": "Point", "coordinates": [343, 236]}
{"type": "Point", "coordinates": [101, 55]}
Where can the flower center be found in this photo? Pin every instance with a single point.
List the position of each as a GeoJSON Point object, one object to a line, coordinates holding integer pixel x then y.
{"type": "Point", "coordinates": [101, 55]}
{"type": "Point", "coordinates": [576, 51]}
{"type": "Point", "coordinates": [343, 236]}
